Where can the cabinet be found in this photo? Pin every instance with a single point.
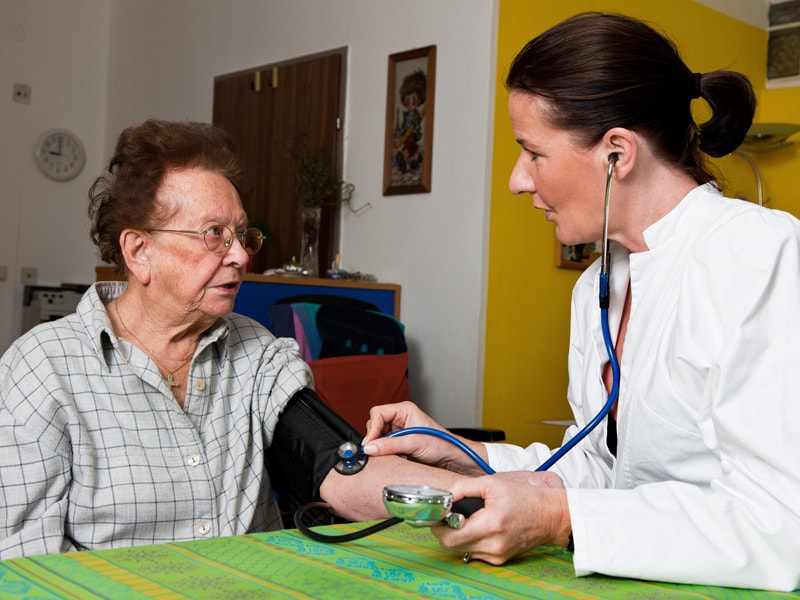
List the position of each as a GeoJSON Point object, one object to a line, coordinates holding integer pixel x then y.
{"type": "Point", "coordinates": [259, 292]}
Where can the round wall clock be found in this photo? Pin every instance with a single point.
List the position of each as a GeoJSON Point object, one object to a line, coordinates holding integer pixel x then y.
{"type": "Point", "coordinates": [60, 155]}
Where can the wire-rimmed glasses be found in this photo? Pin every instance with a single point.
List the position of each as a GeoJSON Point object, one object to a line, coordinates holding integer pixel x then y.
{"type": "Point", "coordinates": [218, 238]}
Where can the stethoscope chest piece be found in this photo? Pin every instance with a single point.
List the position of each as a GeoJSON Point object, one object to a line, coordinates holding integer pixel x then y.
{"type": "Point", "coordinates": [351, 459]}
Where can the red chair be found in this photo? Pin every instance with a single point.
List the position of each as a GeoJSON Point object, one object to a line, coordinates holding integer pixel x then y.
{"type": "Point", "coordinates": [358, 356]}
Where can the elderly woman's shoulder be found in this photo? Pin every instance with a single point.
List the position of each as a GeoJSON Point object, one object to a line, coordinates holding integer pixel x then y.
{"type": "Point", "coordinates": [62, 337]}
{"type": "Point", "coordinates": [245, 328]}
{"type": "Point", "coordinates": [245, 336]}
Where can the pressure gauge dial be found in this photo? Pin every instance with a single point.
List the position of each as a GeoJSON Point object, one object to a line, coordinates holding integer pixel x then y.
{"type": "Point", "coordinates": [417, 505]}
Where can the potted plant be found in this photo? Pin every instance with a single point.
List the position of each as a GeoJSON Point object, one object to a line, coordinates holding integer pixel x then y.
{"type": "Point", "coordinates": [316, 185]}
{"type": "Point", "coordinates": [317, 188]}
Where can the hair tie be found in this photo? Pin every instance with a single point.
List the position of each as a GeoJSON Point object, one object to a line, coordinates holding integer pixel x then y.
{"type": "Point", "coordinates": [696, 90]}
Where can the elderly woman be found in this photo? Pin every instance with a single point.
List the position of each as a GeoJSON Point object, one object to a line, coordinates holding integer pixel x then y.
{"type": "Point", "coordinates": [694, 475]}
{"type": "Point", "coordinates": [149, 415]}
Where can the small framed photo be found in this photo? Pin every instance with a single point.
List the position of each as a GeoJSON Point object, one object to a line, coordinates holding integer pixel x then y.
{"type": "Point", "coordinates": [578, 256]}
{"type": "Point", "coordinates": [408, 150]}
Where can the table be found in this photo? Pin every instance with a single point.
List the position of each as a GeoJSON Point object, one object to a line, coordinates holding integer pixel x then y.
{"type": "Point", "coordinates": [399, 562]}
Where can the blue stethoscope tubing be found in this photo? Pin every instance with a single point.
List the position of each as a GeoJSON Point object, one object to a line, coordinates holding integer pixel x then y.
{"type": "Point", "coordinates": [604, 297]}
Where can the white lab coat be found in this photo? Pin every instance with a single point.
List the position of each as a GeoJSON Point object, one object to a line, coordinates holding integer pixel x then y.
{"type": "Point", "coordinates": [705, 487]}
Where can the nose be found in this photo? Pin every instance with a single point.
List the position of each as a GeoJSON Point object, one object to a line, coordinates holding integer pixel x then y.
{"type": "Point", "coordinates": [236, 255]}
{"type": "Point", "coordinates": [521, 180]}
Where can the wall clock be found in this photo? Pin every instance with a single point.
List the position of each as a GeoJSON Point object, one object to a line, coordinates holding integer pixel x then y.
{"type": "Point", "coordinates": [60, 155]}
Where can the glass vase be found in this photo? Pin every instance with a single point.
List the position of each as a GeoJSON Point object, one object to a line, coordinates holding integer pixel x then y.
{"type": "Point", "coordinates": [309, 253]}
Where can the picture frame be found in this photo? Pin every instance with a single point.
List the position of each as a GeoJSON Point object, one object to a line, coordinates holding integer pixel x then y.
{"type": "Point", "coordinates": [578, 256]}
{"type": "Point", "coordinates": [408, 144]}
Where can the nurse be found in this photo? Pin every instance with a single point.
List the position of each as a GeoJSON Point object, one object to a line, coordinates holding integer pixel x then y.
{"type": "Point", "coordinates": [694, 476]}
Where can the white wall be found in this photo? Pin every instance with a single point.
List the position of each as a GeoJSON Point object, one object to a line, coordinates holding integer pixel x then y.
{"type": "Point", "coordinates": [60, 49]}
{"type": "Point", "coordinates": [100, 65]}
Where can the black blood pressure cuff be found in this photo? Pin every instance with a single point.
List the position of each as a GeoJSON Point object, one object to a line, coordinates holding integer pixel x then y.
{"type": "Point", "coordinates": [305, 447]}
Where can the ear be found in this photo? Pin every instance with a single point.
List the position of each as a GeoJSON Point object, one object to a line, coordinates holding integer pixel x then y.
{"type": "Point", "coordinates": [135, 245]}
{"type": "Point", "coordinates": [624, 143]}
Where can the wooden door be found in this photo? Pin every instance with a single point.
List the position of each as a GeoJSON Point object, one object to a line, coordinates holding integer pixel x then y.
{"type": "Point", "coordinates": [269, 111]}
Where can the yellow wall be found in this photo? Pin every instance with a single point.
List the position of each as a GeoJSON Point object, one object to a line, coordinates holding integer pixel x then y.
{"type": "Point", "coordinates": [528, 297]}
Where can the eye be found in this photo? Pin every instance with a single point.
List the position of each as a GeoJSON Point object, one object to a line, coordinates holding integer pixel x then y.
{"type": "Point", "coordinates": [533, 155]}
{"type": "Point", "coordinates": [216, 236]}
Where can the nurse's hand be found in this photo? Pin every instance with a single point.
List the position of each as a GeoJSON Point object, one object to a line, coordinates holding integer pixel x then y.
{"type": "Point", "coordinates": [386, 418]}
{"type": "Point", "coordinates": [517, 517]}
{"type": "Point", "coordinates": [422, 448]}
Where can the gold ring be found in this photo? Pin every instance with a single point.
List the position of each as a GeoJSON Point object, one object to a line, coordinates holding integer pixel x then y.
{"type": "Point", "coordinates": [466, 557]}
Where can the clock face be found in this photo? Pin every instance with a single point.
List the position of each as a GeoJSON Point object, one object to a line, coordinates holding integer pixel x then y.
{"type": "Point", "coordinates": [60, 155]}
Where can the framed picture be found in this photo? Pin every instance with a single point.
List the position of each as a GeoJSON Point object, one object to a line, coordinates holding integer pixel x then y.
{"type": "Point", "coordinates": [408, 146]}
{"type": "Point", "coordinates": [578, 256]}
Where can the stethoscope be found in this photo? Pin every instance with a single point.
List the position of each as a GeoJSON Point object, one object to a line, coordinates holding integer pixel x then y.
{"type": "Point", "coordinates": [604, 298]}
{"type": "Point", "coordinates": [406, 503]}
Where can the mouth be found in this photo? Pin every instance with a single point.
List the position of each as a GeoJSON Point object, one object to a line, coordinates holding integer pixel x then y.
{"type": "Point", "coordinates": [548, 213]}
{"type": "Point", "coordinates": [231, 286]}
{"type": "Point", "coordinates": [541, 206]}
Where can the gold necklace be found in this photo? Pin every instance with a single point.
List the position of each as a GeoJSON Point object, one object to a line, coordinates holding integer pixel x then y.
{"type": "Point", "coordinates": [170, 378]}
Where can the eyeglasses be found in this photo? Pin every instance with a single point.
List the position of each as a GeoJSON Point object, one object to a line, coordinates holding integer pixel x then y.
{"type": "Point", "coordinates": [218, 238]}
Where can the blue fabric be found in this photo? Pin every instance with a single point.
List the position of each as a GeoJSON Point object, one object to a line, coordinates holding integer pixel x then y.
{"type": "Point", "coordinates": [334, 329]}
{"type": "Point", "coordinates": [346, 331]}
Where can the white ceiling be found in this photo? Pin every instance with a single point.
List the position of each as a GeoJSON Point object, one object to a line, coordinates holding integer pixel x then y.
{"type": "Point", "coordinates": [753, 12]}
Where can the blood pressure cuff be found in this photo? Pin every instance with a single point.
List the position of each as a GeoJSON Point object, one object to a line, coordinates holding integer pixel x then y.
{"type": "Point", "coordinates": [304, 449]}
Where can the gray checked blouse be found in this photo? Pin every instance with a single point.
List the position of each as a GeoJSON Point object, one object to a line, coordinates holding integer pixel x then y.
{"type": "Point", "coordinates": [96, 453]}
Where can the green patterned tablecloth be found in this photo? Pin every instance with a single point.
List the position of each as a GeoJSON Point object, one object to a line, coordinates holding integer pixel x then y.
{"type": "Point", "coordinates": [399, 562]}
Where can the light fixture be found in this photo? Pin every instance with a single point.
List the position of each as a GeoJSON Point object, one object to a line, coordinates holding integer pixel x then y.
{"type": "Point", "coordinates": [762, 138]}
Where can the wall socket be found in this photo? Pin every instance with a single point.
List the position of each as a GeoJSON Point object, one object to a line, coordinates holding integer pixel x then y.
{"type": "Point", "coordinates": [28, 275]}
{"type": "Point", "coordinates": [22, 93]}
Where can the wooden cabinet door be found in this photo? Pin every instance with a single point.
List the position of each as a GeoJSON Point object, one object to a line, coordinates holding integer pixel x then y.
{"type": "Point", "coordinates": [269, 111]}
